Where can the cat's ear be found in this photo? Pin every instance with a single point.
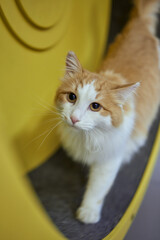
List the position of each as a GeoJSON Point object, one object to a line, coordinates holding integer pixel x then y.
{"type": "Point", "coordinates": [123, 92]}
{"type": "Point", "coordinates": [72, 64]}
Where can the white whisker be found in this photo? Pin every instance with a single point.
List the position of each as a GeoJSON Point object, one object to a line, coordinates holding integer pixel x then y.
{"type": "Point", "coordinates": [52, 106]}
{"type": "Point", "coordinates": [54, 119]}
{"type": "Point", "coordinates": [51, 111]}
{"type": "Point", "coordinates": [34, 139]}
{"type": "Point", "coordinates": [49, 134]}
{"type": "Point", "coordinates": [47, 105]}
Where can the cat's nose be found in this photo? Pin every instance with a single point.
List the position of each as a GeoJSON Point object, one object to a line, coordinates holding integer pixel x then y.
{"type": "Point", "coordinates": [74, 119]}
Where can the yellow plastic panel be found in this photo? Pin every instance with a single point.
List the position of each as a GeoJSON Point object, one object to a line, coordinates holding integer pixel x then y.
{"type": "Point", "coordinates": [22, 217]}
{"type": "Point", "coordinates": [33, 44]}
{"type": "Point", "coordinates": [41, 14]}
{"type": "Point", "coordinates": [38, 35]}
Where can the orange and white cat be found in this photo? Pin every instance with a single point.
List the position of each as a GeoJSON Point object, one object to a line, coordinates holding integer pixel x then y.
{"type": "Point", "coordinates": [107, 115]}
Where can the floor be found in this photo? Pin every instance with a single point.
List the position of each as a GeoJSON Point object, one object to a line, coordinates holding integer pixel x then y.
{"type": "Point", "coordinates": [146, 225]}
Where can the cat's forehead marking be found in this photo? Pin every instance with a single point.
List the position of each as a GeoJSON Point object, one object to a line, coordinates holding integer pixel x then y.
{"type": "Point", "coordinates": [87, 91]}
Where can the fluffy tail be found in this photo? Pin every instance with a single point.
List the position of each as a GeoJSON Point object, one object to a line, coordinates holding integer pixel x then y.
{"type": "Point", "coordinates": [147, 10]}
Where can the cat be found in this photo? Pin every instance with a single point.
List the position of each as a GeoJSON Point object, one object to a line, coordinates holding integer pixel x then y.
{"type": "Point", "coordinates": [107, 114]}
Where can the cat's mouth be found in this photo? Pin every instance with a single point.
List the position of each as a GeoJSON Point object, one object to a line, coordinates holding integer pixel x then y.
{"type": "Point", "coordinates": [71, 124]}
{"type": "Point", "coordinates": [75, 126]}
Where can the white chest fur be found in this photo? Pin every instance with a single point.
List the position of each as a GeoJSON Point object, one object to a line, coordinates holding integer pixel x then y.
{"type": "Point", "coordinates": [97, 146]}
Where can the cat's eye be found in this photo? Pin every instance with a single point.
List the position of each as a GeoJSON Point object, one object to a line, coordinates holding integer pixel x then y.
{"type": "Point", "coordinates": [95, 107]}
{"type": "Point", "coordinates": [71, 97]}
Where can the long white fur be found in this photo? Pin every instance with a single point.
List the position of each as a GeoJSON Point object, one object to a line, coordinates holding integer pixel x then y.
{"type": "Point", "coordinates": [94, 141]}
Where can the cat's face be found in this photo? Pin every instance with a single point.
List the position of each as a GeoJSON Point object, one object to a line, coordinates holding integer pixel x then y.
{"type": "Point", "coordinates": [81, 107]}
{"type": "Point", "coordinates": [89, 100]}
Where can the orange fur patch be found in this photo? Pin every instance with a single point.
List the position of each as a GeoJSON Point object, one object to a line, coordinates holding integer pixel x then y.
{"type": "Point", "coordinates": [133, 57]}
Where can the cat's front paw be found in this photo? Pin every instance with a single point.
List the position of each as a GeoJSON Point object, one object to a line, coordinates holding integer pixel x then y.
{"type": "Point", "coordinates": [88, 215]}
